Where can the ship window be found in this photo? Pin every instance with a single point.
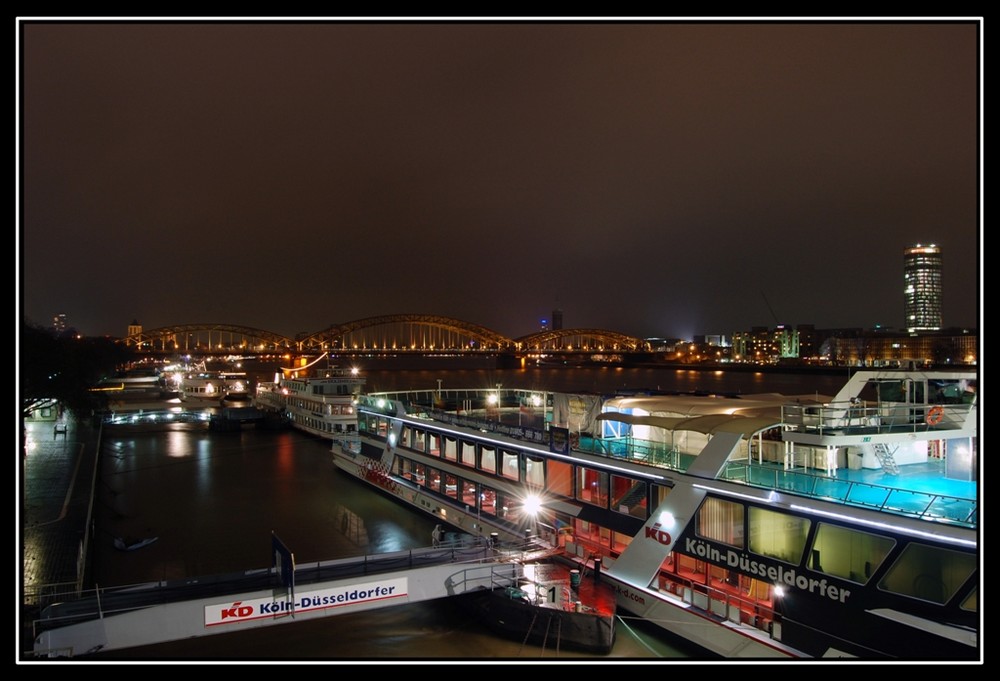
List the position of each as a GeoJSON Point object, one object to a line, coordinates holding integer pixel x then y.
{"type": "Point", "coordinates": [846, 553]}
{"type": "Point", "coordinates": [971, 602]}
{"type": "Point", "coordinates": [488, 459]}
{"type": "Point", "coordinates": [451, 485]}
{"type": "Point", "coordinates": [534, 471]}
{"type": "Point", "coordinates": [419, 438]}
{"type": "Point", "coordinates": [951, 391]}
{"type": "Point", "coordinates": [469, 454]}
{"type": "Point", "coordinates": [509, 465]}
{"type": "Point", "coordinates": [450, 449]}
{"type": "Point", "coordinates": [469, 493]}
{"type": "Point", "coordinates": [778, 535]}
{"type": "Point", "coordinates": [419, 475]}
{"type": "Point", "coordinates": [628, 496]}
{"type": "Point", "coordinates": [488, 501]}
{"type": "Point", "coordinates": [402, 467]}
{"type": "Point", "coordinates": [620, 541]}
{"type": "Point", "coordinates": [722, 521]}
{"type": "Point", "coordinates": [504, 504]}
{"type": "Point", "coordinates": [406, 437]}
{"type": "Point", "coordinates": [433, 479]}
{"type": "Point", "coordinates": [592, 486]}
{"type": "Point", "coordinates": [369, 423]}
{"type": "Point", "coordinates": [559, 478]}
{"type": "Point", "coordinates": [660, 493]}
{"type": "Point", "coordinates": [434, 444]}
{"type": "Point", "coordinates": [929, 573]}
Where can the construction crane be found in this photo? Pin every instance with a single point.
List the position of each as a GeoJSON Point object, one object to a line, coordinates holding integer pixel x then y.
{"type": "Point", "coordinates": [766, 302]}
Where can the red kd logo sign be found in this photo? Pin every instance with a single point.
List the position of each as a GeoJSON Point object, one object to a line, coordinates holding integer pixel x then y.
{"type": "Point", "coordinates": [659, 535]}
{"type": "Point", "coordinates": [237, 610]}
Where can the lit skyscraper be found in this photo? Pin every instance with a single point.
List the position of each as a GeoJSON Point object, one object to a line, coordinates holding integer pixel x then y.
{"type": "Point", "coordinates": [922, 288]}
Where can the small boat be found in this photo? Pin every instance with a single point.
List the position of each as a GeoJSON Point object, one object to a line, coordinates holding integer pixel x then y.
{"type": "Point", "coordinates": [318, 399]}
{"type": "Point", "coordinates": [200, 386]}
{"type": "Point", "coordinates": [123, 544]}
{"type": "Point", "coordinates": [550, 607]}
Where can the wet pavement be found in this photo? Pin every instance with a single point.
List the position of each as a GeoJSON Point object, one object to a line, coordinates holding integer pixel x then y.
{"type": "Point", "coordinates": [58, 466]}
{"type": "Point", "coordinates": [57, 484]}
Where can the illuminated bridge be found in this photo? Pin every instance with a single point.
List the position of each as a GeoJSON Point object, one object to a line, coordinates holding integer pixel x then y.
{"type": "Point", "coordinates": [386, 334]}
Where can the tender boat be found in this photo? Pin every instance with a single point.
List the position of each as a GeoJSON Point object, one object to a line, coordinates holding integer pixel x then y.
{"type": "Point", "coordinates": [552, 607]}
{"type": "Point", "coordinates": [762, 527]}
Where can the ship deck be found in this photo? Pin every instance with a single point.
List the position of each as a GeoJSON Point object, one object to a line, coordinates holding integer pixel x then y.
{"type": "Point", "coordinates": [918, 489]}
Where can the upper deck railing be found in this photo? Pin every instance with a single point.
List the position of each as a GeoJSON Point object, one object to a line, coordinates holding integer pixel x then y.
{"type": "Point", "coordinates": [860, 418]}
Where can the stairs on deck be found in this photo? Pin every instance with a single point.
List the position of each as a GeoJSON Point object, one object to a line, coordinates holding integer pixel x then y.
{"type": "Point", "coordinates": [885, 457]}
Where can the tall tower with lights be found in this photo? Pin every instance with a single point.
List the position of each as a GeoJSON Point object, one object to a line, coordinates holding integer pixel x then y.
{"type": "Point", "coordinates": [922, 288]}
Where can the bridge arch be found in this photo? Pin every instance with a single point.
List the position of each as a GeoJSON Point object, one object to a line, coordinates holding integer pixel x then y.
{"type": "Point", "coordinates": [582, 339]}
{"type": "Point", "coordinates": [408, 332]}
{"type": "Point", "coordinates": [208, 337]}
{"type": "Point", "coordinates": [394, 332]}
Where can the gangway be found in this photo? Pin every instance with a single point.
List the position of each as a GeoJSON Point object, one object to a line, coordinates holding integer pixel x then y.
{"type": "Point", "coordinates": [125, 617]}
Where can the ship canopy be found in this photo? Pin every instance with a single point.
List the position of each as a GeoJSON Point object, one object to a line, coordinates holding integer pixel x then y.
{"type": "Point", "coordinates": [709, 424]}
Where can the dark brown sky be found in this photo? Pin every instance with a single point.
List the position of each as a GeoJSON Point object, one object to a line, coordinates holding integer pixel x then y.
{"type": "Point", "coordinates": [653, 178]}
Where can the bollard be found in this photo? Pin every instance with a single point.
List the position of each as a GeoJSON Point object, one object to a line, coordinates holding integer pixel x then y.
{"type": "Point", "coordinates": [574, 579]}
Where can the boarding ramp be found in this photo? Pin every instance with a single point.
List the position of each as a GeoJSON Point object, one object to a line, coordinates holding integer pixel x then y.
{"type": "Point", "coordinates": [126, 617]}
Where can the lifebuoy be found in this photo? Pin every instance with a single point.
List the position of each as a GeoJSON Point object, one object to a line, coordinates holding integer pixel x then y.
{"type": "Point", "coordinates": [935, 415]}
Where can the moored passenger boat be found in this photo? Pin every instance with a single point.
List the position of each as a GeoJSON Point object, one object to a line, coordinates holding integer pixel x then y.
{"type": "Point", "coordinates": [200, 387]}
{"type": "Point", "coordinates": [319, 400]}
{"type": "Point", "coordinates": [762, 527]}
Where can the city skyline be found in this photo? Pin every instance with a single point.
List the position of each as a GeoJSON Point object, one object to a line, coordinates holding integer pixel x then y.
{"type": "Point", "coordinates": [657, 178]}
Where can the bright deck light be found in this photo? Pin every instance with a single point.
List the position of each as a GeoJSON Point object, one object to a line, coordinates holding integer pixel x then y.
{"type": "Point", "coordinates": [532, 504]}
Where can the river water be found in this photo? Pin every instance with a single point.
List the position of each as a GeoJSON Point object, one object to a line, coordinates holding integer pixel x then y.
{"type": "Point", "coordinates": [214, 499]}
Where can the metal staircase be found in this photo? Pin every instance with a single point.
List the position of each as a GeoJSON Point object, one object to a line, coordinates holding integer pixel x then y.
{"type": "Point", "coordinates": [885, 457]}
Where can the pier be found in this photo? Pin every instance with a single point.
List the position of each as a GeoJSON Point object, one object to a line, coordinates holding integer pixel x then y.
{"type": "Point", "coordinates": [109, 619]}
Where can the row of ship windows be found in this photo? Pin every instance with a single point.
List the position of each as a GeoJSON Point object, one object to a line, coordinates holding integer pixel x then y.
{"type": "Point", "coordinates": [324, 426]}
{"type": "Point", "coordinates": [920, 571]}
{"type": "Point", "coordinates": [593, 487]}
{"type": "Point", "coordinates": [318, 406]}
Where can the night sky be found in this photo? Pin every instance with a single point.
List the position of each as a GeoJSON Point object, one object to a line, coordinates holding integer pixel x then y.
{"type": "Point", "coordinates": [665, 178]}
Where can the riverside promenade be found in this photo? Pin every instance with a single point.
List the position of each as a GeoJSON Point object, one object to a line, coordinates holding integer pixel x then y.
{"type": "Point", "coordinates": [56, 495]}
